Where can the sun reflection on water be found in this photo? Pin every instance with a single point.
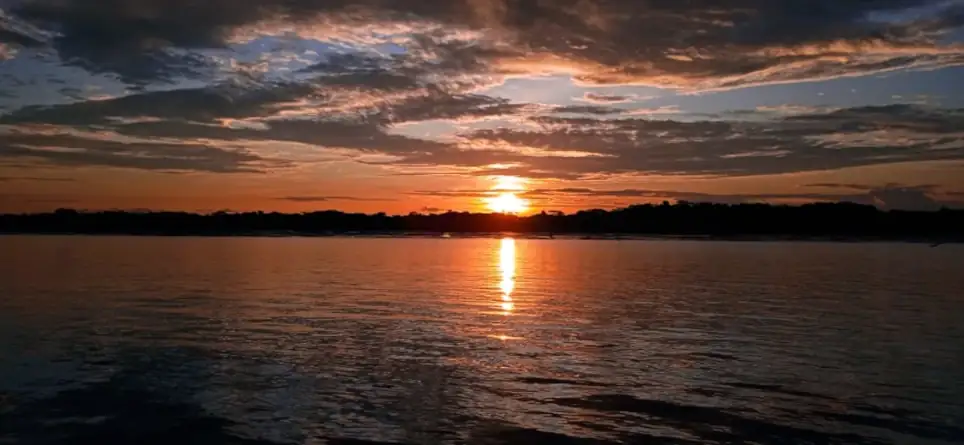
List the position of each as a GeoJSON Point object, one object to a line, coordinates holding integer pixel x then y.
{"type": "Point", "coordinates": [507, 266]}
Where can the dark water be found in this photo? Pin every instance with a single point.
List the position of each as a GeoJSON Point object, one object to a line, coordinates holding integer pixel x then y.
{"type": "Point", "coordinates": [117, 340]}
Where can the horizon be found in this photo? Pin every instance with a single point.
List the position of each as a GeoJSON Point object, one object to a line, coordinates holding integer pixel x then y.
{"type": "Point", "coordinates": [808, 221]}
{"type": "Point", "coordinates": [421, 105]}
{"type": "Point", "coordinates": [528, 212]}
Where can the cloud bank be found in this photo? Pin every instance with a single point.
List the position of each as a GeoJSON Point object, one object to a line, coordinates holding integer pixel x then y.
{"type": "Point", "coordinates": [215, 86]}
{"type": "Point", "coordinates": [693, 44]}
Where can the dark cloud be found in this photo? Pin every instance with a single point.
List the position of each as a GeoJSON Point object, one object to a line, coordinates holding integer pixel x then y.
{"type": "Point", "coordinates": [14, 35]}
{"type": "Point", "coordinates": [137, 40]}
{"type": "Point", "coordinates": [597, 142]}
{"type": "Point", "coordinates": [866, 187]}
{"type": "Point", "coordinates": [529, 171]}
{"type": "Point", "coordinates": [317, 98]}
{"type": "Point", "coordinates": [278, 112]}
{"type": "Point", "coordinates": [202, 104]}
{"type": "Point", "coordinates": [922, 197]}
{"type": "Point", "coordinates": [905, 198]}
{"type": "Point", "coordinates": [590, 146]}
{"type": "Point", "coordinates": [456, 193]}
{"type": "Point", "coordinates": [72, 150]}
{"type": "Point", "coordinates": [15, 39]}
{"type": "Point", "coordinates": [695, 44]}
{"type": "Point", "coordinates": [207, 104]}
{"type": "Point", "coordinates": [430, 59]}
{"type": "Point", "coordinates": [917, 118]}
{"type": "Point", "coordinates": [330, 198]}
{"type": "Point", "coordinates": [305, 198]}
{"type": "Point", "coordinates": [837, 185]}
{"type": "Point", "coordinates": [320, 135]}
{"type": "Point", "coordinates": [438, 104]}
{"type": "Point", "coordinates": [34, 178]}
{"type": "Point", "coordinates": [597, 98]}
{"type": "Point", "coordinates": [352, 98]}
{"type": "Point", "coordinates": [588, 109]}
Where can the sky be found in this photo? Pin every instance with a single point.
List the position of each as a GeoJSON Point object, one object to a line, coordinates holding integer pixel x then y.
{"type": "Point", "coordinates": [478, 105]}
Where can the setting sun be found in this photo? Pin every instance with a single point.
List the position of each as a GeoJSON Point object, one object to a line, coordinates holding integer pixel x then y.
{"type": "Point", "coordinates": [507, 203]}
{"type": "Point", "coordinates": [505, 198]}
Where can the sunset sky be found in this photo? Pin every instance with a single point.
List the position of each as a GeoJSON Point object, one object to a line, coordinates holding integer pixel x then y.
{"type": "Point", "coordinates": [427, 105]}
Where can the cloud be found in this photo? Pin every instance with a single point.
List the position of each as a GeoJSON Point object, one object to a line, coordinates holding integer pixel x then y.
{"type": "Point", "coordinates": [597, 98]}
{"type": "Point", "coordinates": [330, 198]}
{"type": "Point", "coordinates": [375, 65]}
{"type": "Point", "coordinates": [310, 113]}
{"type": "Point", "coordinates": [214, 126]}
{"type": "Point", "coordinates": [887, 197]}
{"type": "Point", "coordinates": [349, 101]}
{"type": "Point", "coordinates": [588, 109]}
{"type": "Point", "coordinates": [693, 45]}
{"type": "Point", "coordinates": [203, 104]}
{"type": "Point", "coordinates": [667, 109]}
{"type": "Point", "coordinates": [791, 109]}
{"type": "Point", "coordinates": [317, 98]}
{"type": "Point", "coordinates": [898, 116]}
{"type": "Point", "coordinates": [34, 178]}
{"type": "Point", "coordinates": [866, 187]}
{"type": "Point", "coordinates": [15, 35]}
{"type": "Point", "coordinates": [923, 197]}
{"type": "Point", "coordinates": [68, 148]}
{"type": "Point", "coordinates": [6, 52]}
{"type": "Point", "coordinates": [904, 198]}
{"type": "Point", "coordinates": [586, 146]}
{"type": "Point", "coordinates": [455, 64]}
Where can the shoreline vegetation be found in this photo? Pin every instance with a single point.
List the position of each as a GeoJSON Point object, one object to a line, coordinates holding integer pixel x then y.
{"type": "Point", "coordinates": [683, 220]}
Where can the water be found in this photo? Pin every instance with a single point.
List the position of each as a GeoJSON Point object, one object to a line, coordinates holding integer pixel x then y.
{"type": "Point", "coordinates": [124, 340]}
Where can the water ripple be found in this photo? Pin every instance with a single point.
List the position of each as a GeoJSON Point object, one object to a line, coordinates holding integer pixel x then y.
{"type": "Point", "coordinates": [391, 341]}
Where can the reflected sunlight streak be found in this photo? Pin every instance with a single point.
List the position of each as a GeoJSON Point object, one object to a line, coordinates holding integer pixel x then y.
{"type": "Point", "coordinates": [507, 266]}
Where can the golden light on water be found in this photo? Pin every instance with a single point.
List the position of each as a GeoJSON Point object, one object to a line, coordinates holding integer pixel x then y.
{"type": "Point", "coordinates": [507, 200]}
{"type": "Point", "coordinates": [507, 267]}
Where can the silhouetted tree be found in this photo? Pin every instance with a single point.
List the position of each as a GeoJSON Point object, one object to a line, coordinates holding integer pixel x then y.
{"type": "Point", "coordinates": [684, 218]}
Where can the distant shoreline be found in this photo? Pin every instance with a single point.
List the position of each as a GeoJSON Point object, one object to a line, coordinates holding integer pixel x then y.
{"type": "Point", "coordinates": [516, 235]}
{"type": "Point", "coordinates": [839, 222]}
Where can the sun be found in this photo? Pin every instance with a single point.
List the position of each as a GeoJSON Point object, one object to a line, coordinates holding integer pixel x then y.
{"type": "Point", "coordinates": [507, 202]}
{"type": "Point", "coordinates": [504, 195]}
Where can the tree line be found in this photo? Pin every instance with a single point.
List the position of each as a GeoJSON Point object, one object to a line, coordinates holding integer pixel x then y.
{"type": "Point", "coordinates": [682, 218]}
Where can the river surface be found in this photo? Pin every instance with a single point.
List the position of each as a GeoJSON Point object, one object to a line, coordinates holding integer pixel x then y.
{"type": "Point", "coordinates": [140, 340]}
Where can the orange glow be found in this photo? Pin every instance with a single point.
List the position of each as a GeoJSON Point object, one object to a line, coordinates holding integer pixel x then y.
{"type": "Point", "coordinates": [507, 267]}
{"type": "Point", "coordinates": [509, 183]}
{"type": "Point", "coordinates": [505, 337]}
{"type": "Point", "coordinates": [507, 202]}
